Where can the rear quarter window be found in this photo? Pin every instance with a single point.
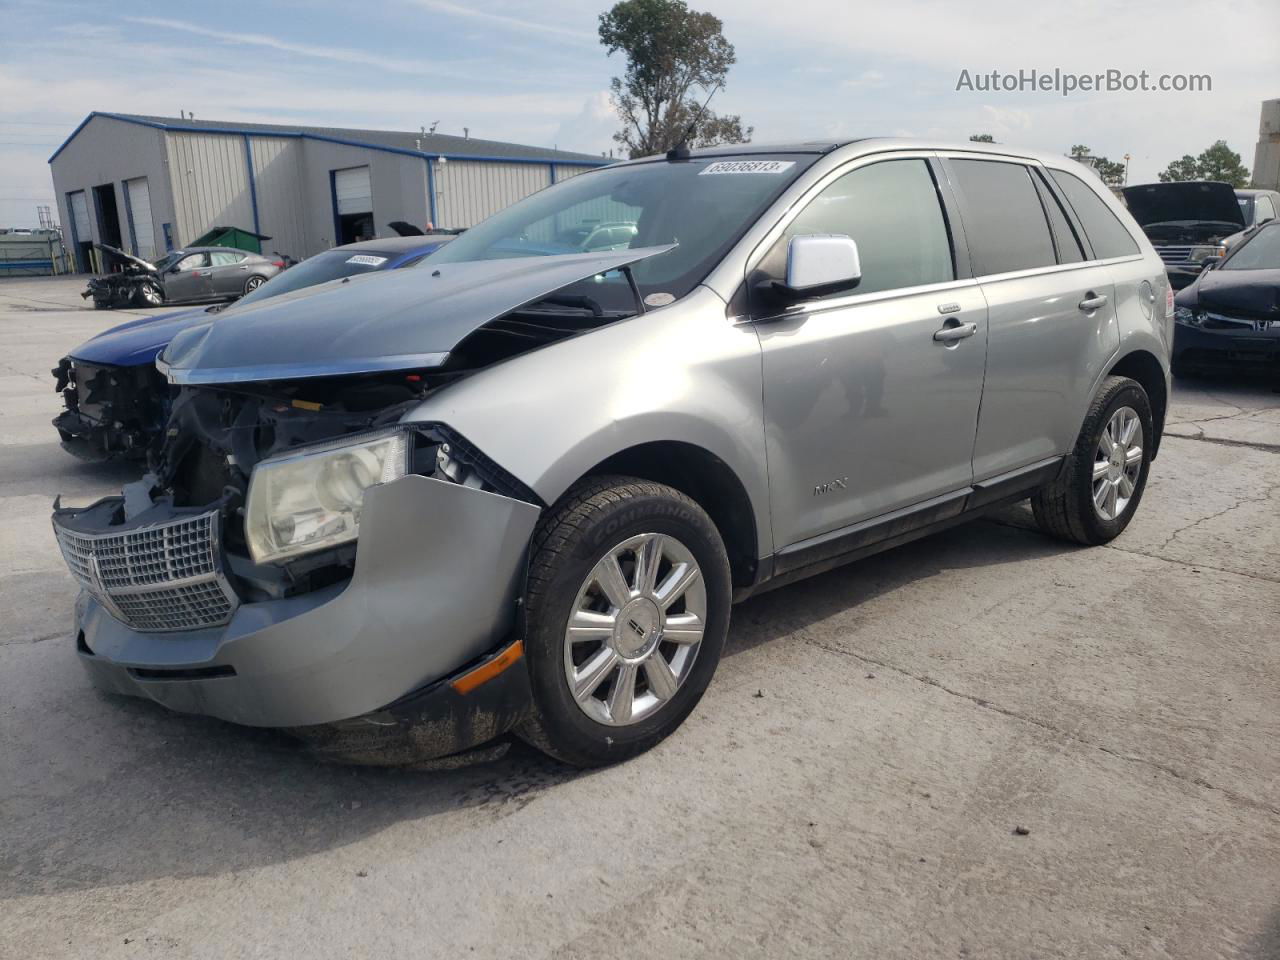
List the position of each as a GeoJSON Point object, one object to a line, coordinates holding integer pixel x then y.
{"type": "Point", "coordinates": [1106, 233]}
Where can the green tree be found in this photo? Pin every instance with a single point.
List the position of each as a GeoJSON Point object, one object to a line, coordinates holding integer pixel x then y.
{"type": "Point", "coordinates": [1219, 162]}
{"type": "Point", "coordinates": [1111, 172]}
{"type": "Point", "coordinates": [675, 57]}
{"type": "Point", "coordinates": [982, 138]}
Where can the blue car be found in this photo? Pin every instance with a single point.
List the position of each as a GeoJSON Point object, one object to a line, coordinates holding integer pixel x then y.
{"type": "Point", "coordinates": [117, 402]}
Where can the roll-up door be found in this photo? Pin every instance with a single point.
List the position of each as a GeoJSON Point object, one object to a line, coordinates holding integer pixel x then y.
{"type": "Point", "coordinates": [80, 216]}
{"type": "Point", "coordinates": [352, 191]}
{"type": "Point", "coordinates": [144, 231]}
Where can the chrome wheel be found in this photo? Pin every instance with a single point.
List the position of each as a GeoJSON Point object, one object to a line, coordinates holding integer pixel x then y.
{"type": "Point", "coordinates": [635, 629]}
{"type": "Point", "coordinates": [1117, 463]}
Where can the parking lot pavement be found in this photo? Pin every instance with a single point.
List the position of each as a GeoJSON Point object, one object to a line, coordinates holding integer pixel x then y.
{"type": "Point", "coordinates": [849, 787]}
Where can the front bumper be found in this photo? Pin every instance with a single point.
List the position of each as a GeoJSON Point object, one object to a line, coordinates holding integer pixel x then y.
{"type": "Point", "coordinates": [436, 579]}
{"type": "Point", "coordinates": [1197, 348]}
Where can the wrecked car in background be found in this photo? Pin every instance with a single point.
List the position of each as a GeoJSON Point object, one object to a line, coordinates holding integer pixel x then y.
{"type": "Point", "coordinates": [406, 515]}
{"type": "Point", "coordinates": [1228, 321]}
{"type": "Point", "coordinates": [1187, 222]}
{"type": "Point", "coordinates": [195, 274]}
{"type": "Point", "coordinates": [116, 402]}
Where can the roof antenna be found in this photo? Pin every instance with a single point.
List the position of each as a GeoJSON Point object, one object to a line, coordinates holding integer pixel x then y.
{"type": "Point", "coordinates": [681, 150]}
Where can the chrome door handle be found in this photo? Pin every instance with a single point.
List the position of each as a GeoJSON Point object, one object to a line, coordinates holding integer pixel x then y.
{"type": "Point", "coordinates": [951, 334]}
{"type": "Point", "coordinates": [1092, 302]}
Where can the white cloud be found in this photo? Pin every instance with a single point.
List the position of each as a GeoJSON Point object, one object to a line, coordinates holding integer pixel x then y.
{"type": "Point", "coordinates": [547, 27]}
{"type": "Point", "coordinates": [424, 67]}
{"type": "Point", "coordinates": [591, 130]}
{"type": "Point", "coordinates": [867, 79]}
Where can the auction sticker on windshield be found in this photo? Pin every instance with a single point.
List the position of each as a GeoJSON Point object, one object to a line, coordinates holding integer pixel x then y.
{"type": "Point", "coordinates": [365, 260]}
{"type": "Point", "coordinates": [747, 166]}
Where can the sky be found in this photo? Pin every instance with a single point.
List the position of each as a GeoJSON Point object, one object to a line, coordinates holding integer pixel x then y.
{"type": "Point", "coordinates": [535, 73]}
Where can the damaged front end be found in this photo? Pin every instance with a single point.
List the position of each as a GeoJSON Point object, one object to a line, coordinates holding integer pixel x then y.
{"type": "Point", "coordinates": [300, 555]}
{"type": "Point", "coordinates": [130, 281]}
{"type": "Point", "coordinates": [109, 411]}
{"type": "Point", "coordinates": [387, 595]}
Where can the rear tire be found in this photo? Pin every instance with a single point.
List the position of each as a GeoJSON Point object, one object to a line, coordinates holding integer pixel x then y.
{"type": "Point", "coordinates": [623, 700]}
{"type": "Point", "coordinates": [253, 283]}
{"type": "Point", "coordinates": [1096, 495]}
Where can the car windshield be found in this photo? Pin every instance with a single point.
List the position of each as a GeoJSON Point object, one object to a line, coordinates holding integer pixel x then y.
{"type": "Point", "coordinates": [330, 265]}
{"type": "Point", "coordinates": [703, 205]}
{"type": "Point", "coordinates": [1260, 252]}
{"type": "Point", "coordinates": [168, 260]}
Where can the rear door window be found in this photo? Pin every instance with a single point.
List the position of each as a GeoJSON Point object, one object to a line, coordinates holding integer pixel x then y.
{"type": "Point", "coordinates": [226, 259]}
{"type": "Point", "coordinates": [1004, 222]}
{"type": "Point", "coordinates": [1106, 233]}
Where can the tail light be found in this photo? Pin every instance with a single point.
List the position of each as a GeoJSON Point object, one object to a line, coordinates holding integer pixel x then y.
{"type": "Point", "coordinates": [278, 263]}
{"type": "Point", "coordinates": [1168, 303]}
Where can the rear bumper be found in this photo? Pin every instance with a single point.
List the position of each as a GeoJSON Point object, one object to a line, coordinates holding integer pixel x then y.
{"type": "Point", "coordinates": [1195, 348]}
{"type": "Point", "coordinates": [433, 593]}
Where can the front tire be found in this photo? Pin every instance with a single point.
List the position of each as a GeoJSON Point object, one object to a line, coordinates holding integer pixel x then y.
{"type": "Point", "coordinates": [1103, 480]}
{"type": "Point", "coordinates": [148, 295]}
{"type": "Point", "coordinates": [626, 613]}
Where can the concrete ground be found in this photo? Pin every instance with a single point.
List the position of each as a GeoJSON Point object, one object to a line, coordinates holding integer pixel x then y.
{"type": "Point", "coordinates": [849, 787]}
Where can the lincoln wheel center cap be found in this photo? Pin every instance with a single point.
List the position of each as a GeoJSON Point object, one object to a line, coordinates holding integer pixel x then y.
{"type": "Point", "coordinates": [638, 629]}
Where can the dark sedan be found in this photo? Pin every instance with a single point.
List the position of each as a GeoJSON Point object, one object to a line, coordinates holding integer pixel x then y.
{"type": "Point", "coordinates": [1228, 320]}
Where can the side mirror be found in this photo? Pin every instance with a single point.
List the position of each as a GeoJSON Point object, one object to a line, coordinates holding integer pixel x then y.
{"type": "Point", "coordinates": [1208, 263]}
{"type": "Point", "coordinates": [819, 265]}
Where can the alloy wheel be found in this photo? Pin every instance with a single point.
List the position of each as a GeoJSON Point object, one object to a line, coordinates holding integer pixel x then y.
{"type": "Point", "coordinates": [1117, 463]}
{"type": "Point", "coordinates": [253, 283]}
{"type": "Point", "coordinates": [635, 629]}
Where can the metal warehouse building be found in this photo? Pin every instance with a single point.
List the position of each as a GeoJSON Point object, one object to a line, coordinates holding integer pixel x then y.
{"type": "Point", "coordinates": [150, 184]}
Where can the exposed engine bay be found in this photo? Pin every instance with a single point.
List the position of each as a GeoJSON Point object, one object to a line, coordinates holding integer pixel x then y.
{"type": "Point", "coordinates": [110, 410]}
{"type": "Point", "coordinates": [216, 435]}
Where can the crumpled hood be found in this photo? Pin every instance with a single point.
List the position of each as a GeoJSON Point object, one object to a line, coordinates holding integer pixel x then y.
{"type": "Point", "coordinates": [1195, 200]}
{"type": "Point", "coordinates": [138, 341]}
{"type": "Point", "coordinates": [123, 257]}
{"type": "Point", "coordinates": [404, 319]}
{"type": "Point", "coordinates": [1253, 294]}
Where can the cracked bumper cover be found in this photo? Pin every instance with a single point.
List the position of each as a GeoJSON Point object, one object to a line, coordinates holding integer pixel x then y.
{"type": "Point", "coordinates": [433, 593]}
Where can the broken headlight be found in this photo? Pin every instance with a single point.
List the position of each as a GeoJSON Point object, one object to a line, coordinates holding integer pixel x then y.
{"type": "Point", "coordinates": [311, 498]}
{"type": "Point", "coordinates": [1187, 316]}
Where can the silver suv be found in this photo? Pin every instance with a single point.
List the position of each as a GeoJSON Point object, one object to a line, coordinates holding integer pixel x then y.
{"type": "Point", "coordinates": [518, 487]}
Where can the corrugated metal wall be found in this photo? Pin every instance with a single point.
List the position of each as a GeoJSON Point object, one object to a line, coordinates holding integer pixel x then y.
{"type": "Point", "coordinates": [277, 174]}
{"type": "Point", "coordinates": [468, 191]}
{"type": "Point", "coordinates": [112, 151]}
{"type": "Point", "coordinates": [565, 172]}
{"type": "Point", "coordinates": [210, 183]}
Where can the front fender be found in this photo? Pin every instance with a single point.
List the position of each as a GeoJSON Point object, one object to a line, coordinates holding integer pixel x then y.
{"type": "Point", "coordinates": [684, 373]}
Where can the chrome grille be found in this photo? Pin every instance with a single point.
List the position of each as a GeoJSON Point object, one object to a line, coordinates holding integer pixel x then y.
{"type": "Point", "coordinates": [1175, 254]}
{"type": "Point", "coordinates": [163, 577]}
